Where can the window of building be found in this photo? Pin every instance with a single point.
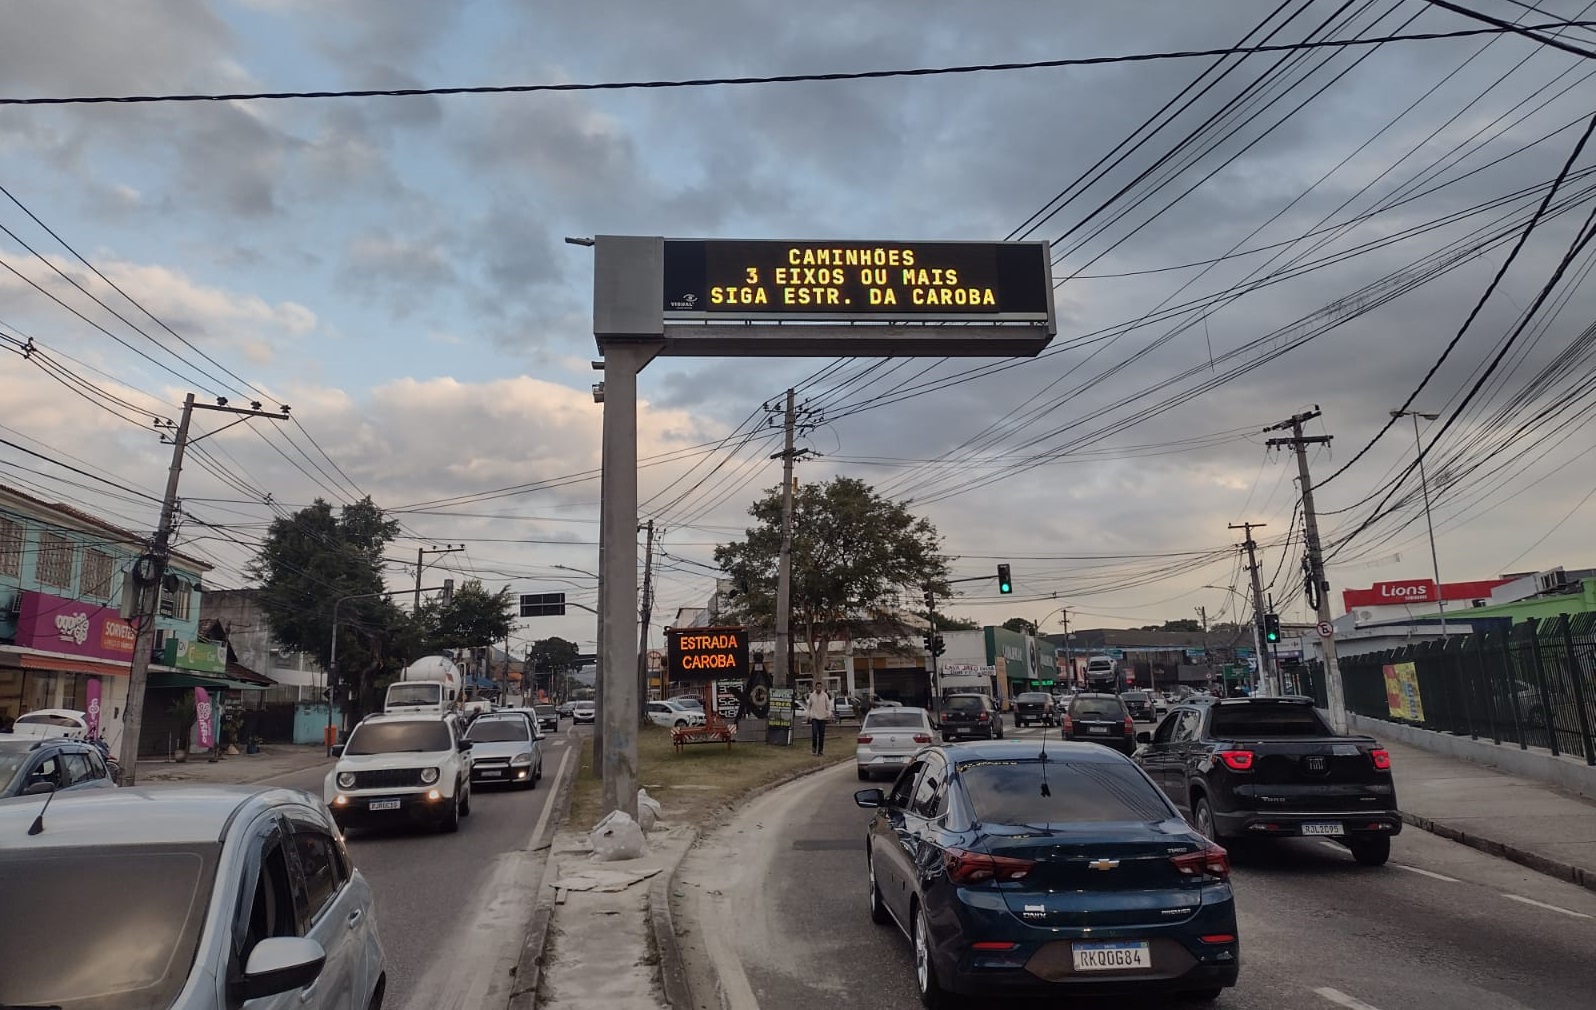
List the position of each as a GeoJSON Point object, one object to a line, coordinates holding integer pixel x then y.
{"type": "Point", "coordinates": [175, 602]}
{"type": "Point", "coordinates": [99, 572]}
{"type": "Point", "coordinates": [55, 560]}
{"type": "Point", "coordinates": [10, 547]}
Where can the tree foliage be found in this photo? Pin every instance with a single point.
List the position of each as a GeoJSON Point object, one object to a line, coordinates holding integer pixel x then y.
{"type": "Point", "coordinates": [947, 622]}
{"type": "Point", "coordinates": [853, 550]}
{"type": "Point", "coordinates": [474, 618]}
{"type": "Point", "coordinates": [553, 655]}
{"type": "Point", "coordinates": [1023, 625]}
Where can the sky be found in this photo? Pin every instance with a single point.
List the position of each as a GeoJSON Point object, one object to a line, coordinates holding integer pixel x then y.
{"type": "Point", "coordinates": [1235, 240]}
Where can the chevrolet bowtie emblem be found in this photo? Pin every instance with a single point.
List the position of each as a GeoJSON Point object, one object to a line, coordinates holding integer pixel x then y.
{"type": "Point", "coordinates": [1102, 864]}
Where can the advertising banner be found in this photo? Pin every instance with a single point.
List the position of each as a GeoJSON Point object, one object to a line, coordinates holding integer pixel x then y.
{"type": "Point", "coordinates": [92, 706]}
{"type": "Point", "coordinates": [706, 654]}
{"type": "Point", "coordinates": [1402, 692]}
{"type": "Point", "coordinates": [55, 624]}
{"type": "Point", "coordinates": [780, 706]}
{"type": "Point", "coordinates": [201, 657]}
{"type": "Point", "coordinates": [205, 736]}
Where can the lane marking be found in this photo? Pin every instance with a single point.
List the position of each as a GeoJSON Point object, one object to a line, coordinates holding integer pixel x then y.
{"type": "Point", "coordinates": [1541, 904]}
{"type": "Point", "coordinates": [1427, 873]}
{"type": "Point", "coordinates": [1340, 998]}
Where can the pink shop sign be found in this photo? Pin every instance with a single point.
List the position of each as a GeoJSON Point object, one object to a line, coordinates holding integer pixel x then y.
{"type": "Point", "coordinates": [77, 628]}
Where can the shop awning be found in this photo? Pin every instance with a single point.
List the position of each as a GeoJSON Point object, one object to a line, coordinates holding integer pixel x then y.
{"type": "Point", "coordinates": [208, 681]}
{"type": "Point", "coordinates": [62, 664]}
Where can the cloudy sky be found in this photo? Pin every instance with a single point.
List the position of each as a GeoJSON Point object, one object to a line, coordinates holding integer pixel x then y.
{"type": "Point", "coordinates": [1235, 240]}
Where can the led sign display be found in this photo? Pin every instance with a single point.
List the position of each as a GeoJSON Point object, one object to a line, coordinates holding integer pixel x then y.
{"type": "Point", "coordinates": [706, 653]}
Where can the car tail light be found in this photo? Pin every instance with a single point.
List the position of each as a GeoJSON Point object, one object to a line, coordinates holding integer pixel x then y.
{"type": "Point", "coordinates": [1130, 726]}
{"type": "Point", "coordinates": [866, 739]}
{"type": "Point", "coordinates": [966, 867]}
{"type": "Point", "coordinates": [922, 738]}
{"type": "Point", "coordinates": [984, 717]}
{"type": "Point", "coordinates": [1237, 760]}
{"type": "Point", "coordinates": [993, 945]}
{"type": "Point", "coordinates": [1381, 758]}
{"type": "Point", "coordinates": [1068, 724]}
{"type": "Point", "coordinates": [1210, 862]}
{"type": "Point", "coordinates": [1219, 938]}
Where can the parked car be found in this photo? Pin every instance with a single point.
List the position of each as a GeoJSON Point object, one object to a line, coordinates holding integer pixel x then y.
{"type": "Point", "coordinates": [673, 714]}
{"type": "Point", "coordinates": [31, 765]}
{"type": "Point", "coordinates": [1100, 717]}
{"type": "Point", "coordinates": [1063, 873]}
{"type": "Point", "coordinates": [504, 748]}
{"type": "Point", "coordinates": [226, 894]}
{"type": "Point", "coordinates": [1264, 767]}
{"type": "Point", "coordinates": [842, 707]}
{"type": "Point", "coordinates": [889, 738]}
{"type": "Point", "coordinates": [1033, 706]}
{"type": "Point", "coordinates": [689, 700]}
{"type": "Point", "coordinates": [53, 722]}
{"type": "Point", "coordinates": [970, 715]}
{"type": "Point", "coordinates": [583, 711]}
{"type": "Point", "coordinates": [1139, 704]}
{"type": "Point", "coordinates": [402, 767]}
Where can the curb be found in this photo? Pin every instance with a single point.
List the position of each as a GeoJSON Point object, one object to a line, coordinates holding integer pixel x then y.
{"type": "Point", "coordinates": [529, 966]}
{"type": "Point", "coordinates": [1541, 864]}
{"type": "Point", "coordinates": [673, 975]}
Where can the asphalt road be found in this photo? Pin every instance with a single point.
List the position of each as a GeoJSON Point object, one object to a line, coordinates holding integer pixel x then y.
{"type": "Point", "coordinates": [452, 908]}
{"type": "Point", "coordinates": [779, 900]}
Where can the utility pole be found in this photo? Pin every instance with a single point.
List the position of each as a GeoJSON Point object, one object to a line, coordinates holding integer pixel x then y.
{"type": "Point", "coordinates": [1318, 587]}
{"type": "Point", "coordinates": [1202, 616]}
{"type": "Point", "coordinates": [1069, 650]}
{"type": "Point", "coordinates": [784, 651]}
{"type": "Point", "coordinates": [150, 573]}
{"type": "Point", "coordinates": [645, 615]}
{"type": "Point", "coordinates": [1424, 486]}
{"type": "Point", "coordinates": [421, 554]}
{"type": "Point", "coordinates": [931, 616]}
{"type": "Point", "coordinates": [1251, 547]}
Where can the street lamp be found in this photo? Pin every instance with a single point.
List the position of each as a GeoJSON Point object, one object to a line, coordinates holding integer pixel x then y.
{"type": "Point", "coordinates": [1424, 486]}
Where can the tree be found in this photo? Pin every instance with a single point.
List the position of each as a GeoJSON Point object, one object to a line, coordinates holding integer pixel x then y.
{"type": "Point", "coordinates": [473, 619]}
{"type": "Point", "coordinates": [1023, 625]}
{"type": "Point", "coordinates": [852, 551]}
{"type": "Point", "coordinates": [553, 655]}
{"type": "Point", "coordinates": [314, 558]}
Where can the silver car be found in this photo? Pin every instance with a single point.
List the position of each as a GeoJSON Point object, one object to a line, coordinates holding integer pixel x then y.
{"type": "Point", "coordinates": [223, 895]}
{"type": "Point", "coordinates": [504, 748]}
{"type": "Point", "coordinates": [888, 738]}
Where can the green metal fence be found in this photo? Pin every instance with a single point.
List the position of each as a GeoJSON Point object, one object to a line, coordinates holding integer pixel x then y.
{"type": "Point", "coordinates": [1532, 684]}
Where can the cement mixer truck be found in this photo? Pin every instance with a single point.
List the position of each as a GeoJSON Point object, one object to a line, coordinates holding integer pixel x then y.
{"type": "Point", "coordinates": [430, 684]}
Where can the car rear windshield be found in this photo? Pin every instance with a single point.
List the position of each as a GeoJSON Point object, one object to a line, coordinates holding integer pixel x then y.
{"type": "Point", "coordinates": [894, 720]}
{"type": "Point", "coordinates": [498, 730]}
{"type": "Point", "coordinates": [1097, 708]}
{"type": "Point", "coordinates": [1010, 792]}
{"type": "Point", "coordinates": [1267, 719]}
{"type": "Point", "coordinates": [1132, 696]}
{"type": "Point", "coordinates": [398, 737]}
{"type": "Point", "coordinates": [1032, 696]}
{"type": "Point", "coordinates": [964, 703]}
{"type": "Point", "coordinates": [77, 948]}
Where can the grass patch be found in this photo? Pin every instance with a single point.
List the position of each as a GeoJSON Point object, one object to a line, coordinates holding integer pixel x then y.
{"type": "Point", "coordinates": [700, 782]}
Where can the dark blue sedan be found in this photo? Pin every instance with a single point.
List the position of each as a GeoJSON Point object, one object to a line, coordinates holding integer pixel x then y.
{"type": "Point", "coordinates": [1047, 869]}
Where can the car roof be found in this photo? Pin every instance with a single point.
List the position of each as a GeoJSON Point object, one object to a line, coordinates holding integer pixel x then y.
{"type": "Point", "coordinates": [158, 815]}
{"type": "Point", "coordinates": [1096, 694]}
{"type": "Point", "coordinates": [1027, 750]}
{"type": "Point", "coordinates": [381, 717]}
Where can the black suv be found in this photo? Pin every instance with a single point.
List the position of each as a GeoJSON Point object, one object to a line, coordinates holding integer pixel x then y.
{"type": "Point", "coordinates": [1140, 705]}
{"type": "Point", "coordinates": [29, 765]}
{"type": "Point", "coordinates": [1033, 706]}
{"type": "Point", "coordinates": [1100, 717]}
{"type": "Point", "coordinates": [970, 715]}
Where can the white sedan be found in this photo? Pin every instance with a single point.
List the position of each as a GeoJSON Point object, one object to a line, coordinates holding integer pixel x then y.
{"type": "Point", "coordinates": [674, 714]}
{"type": "Point", "coordinates": [889, 738]}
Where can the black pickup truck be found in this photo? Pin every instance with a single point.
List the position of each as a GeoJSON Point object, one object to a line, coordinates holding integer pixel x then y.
{"type": "Point", "coordinates": [1263, 767]}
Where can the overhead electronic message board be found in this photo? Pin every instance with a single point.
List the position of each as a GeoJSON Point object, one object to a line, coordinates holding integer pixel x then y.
{"type": "Point", "coordinates": [717, 279]}
{"type": "Point", "coordinates": [706, 653]}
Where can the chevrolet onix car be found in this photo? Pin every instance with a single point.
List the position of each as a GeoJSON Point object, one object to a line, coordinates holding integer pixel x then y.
{"type": "Point", "coordinates": [1059, 872]}
{"type": "Point", "coordinates": [504, 749]}
{"type": "Point", "coordinates": [226, 896]}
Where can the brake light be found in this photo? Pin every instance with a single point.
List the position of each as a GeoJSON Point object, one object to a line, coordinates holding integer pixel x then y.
{"type": "Point", "coordinates": [1210, 862]}
{"type": "Point", "coordinates": [1068, 724]}
{"type": "Point", "coordinates": [993, 945]}
{"type": "Point", "coordinates": [1218, 938]}
{"type": "Point", "coordinates": [1237, 760]}
{"type": "Point", "coordinates": [922, 738]}
{"type": "Point", "coordinates": [983, 717]}
{"type": "Point", "coordinates": [1381, 758]}
{"type": "Point", "coordinates": [1130, 726]}
{"type": "Point", "coordinates": [866, 739]}
{"type": "Point", "coordinates": [966, 867]}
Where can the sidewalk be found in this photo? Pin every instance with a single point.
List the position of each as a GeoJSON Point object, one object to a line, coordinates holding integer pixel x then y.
{"type": "Point", "coordinates": [1532, 824]}
{"type": "Point", "coordinates": [240, 769]}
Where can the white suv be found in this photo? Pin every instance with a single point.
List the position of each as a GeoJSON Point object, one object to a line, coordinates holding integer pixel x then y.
{"type": "Point", "coordinates": [402, 768]}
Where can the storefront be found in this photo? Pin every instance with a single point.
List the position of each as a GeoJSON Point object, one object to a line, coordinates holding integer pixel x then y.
{"type": "Point", "coordinates": [65, 653]}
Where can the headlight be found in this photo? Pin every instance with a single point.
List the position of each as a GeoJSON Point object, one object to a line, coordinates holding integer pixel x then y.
{"type": "Point", "coordinates": [522, 759]}
{"type": "Point", "coordinates": [346, 780]}
{"type": "Point", "coordinates": [429, 776]}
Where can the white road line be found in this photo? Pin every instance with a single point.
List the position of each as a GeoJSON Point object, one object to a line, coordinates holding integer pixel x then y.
{"type": "Point", "coordinates": [1541, 904]}
{"type": "Point", "coordinates": [1427, 873]}
{"type": "Point", "coordinates": [1340, 998]}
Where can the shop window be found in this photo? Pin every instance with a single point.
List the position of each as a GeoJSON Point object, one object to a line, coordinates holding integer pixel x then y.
{"type": "Point", "coordinates": [10, 547]}
{"type": "Point", "coordinates": [99, 571]}
{"type": "Point", "coordinates": [55, 560]}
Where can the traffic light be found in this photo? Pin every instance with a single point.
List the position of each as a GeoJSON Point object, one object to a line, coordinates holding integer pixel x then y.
{"type": "Point", "coordinates": [937, 648]}
{"type": "Point", "coordinates": [1005, 584]}
{"type": "Point", "coordinates": [930, 641]}
{"type": "Point", "coordinates": [930, 600]}
{"type": "Point", "coordinates": [1271, 628]}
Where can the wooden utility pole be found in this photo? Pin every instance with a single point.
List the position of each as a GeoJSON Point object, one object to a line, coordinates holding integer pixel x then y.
{"type": "Point", "coordinates": [1251, 547]}
{"type": "Point", "coordinates": [421, 562]}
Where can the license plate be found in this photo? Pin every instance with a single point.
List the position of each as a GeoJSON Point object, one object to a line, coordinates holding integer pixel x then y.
{"type": "Point", "coordinates": [1323, 828]}
{"type": "Point", "coordinates": [1119, 956]}
{"type": "Point", "coordinates": [384, 804]}
{"type": "Point", "coordinates": [492, 773]}
{"type": "Point", "coordinates": [1099, 730]}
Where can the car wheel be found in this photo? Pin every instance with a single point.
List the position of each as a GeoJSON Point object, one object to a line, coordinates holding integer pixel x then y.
{"type": "Point", "coordinates": [1203, 816]}
{"type": "Point", "coordinates": [878, 908]}
{"type": "Point", "coordinates": [681, 723]}
{"type": "Point", "coordinates": [864, 776]}
{"type": "Point", "coordinates": [932, 995]}
{"type": "Point", "coordinates": [540, 770]}
{"type": "Point", "coordinates": [1371, 851]}
{"type": "Point", "coordinates": [451, 820]}
{"type": "Point", "coordinates": [465, 802]}
{"type": "Point", "coordinates": [377, 994]}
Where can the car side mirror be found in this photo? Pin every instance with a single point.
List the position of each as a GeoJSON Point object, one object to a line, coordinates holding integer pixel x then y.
{"type": "Point", "coordinates": [465, 745]}
{"type": "Point", "coordinates": [1144, 737]}
{"type": "Point", "coordinates": [870, 798]}
{"type": "Point", "coordinates": [338, 750]}
{"type": "Point", "coordinates": [39, 788]}
{"type": "Point", "coordinates": [280, 964]}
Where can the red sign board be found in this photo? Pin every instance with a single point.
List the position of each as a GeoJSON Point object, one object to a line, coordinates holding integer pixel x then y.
{"type": "Point", "coordinates": [1411, 591]}
{"type": "Point", "coordinates": [1396, 594]}
{"type": "Point", "coordinates": [74, 627]}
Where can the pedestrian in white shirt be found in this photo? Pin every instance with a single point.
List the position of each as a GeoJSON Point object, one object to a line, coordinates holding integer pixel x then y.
{"type": "Point", "coordinates": [819, 712]}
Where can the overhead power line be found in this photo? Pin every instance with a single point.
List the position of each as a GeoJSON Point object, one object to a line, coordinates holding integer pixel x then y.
{"type": "Point", "coordinates": [860, 75]}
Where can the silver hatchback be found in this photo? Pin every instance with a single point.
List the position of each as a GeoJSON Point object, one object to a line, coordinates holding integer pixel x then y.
{"type": "Point", "coordinates": [889, 738]}
{"type": "Point", "coordinates": [183, 898]}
